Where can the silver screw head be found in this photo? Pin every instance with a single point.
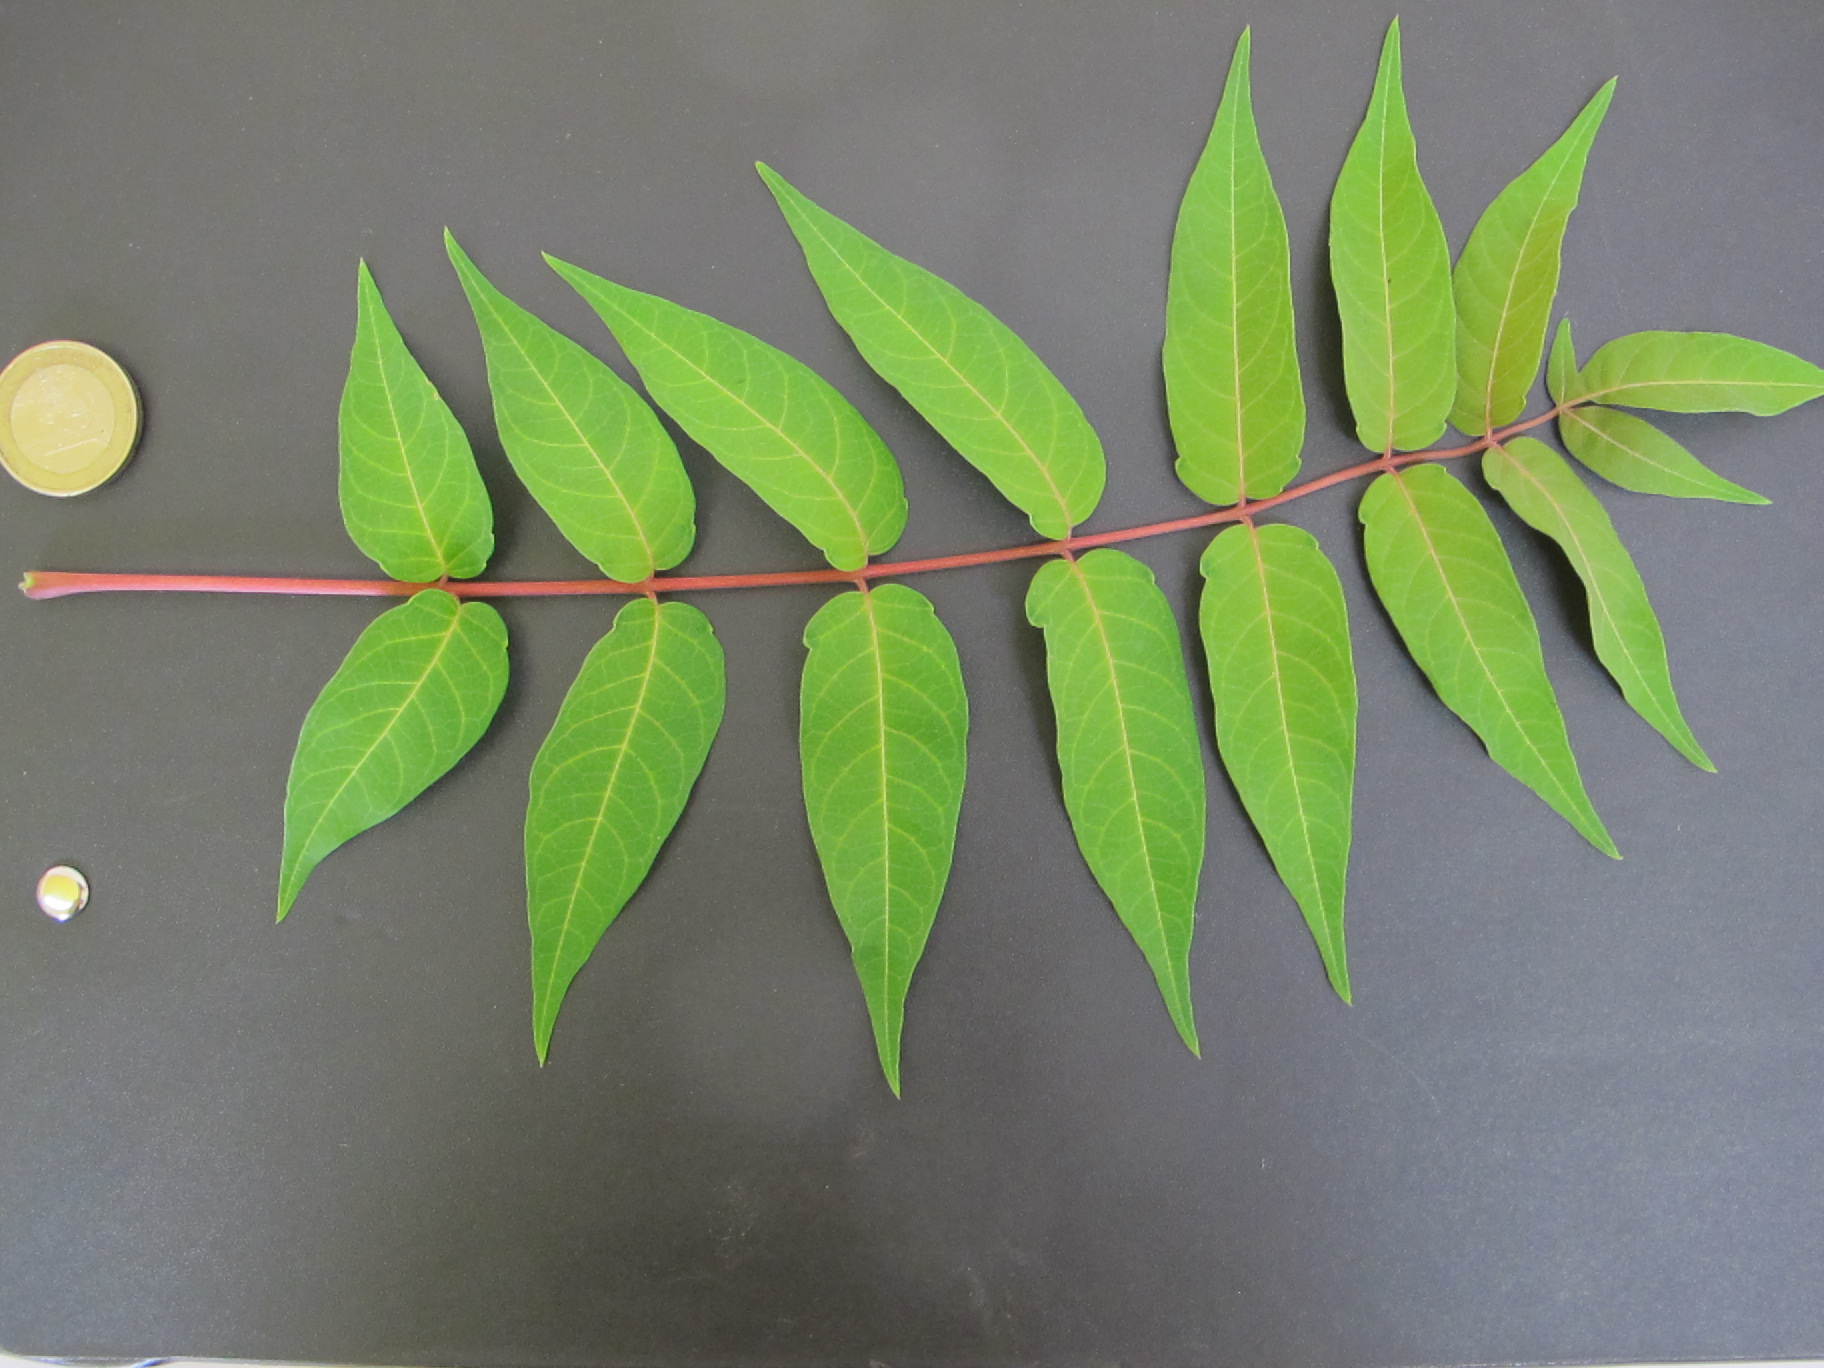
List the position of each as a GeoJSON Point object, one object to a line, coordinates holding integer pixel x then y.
{"type": "Point", "coordinates": [62, 892]}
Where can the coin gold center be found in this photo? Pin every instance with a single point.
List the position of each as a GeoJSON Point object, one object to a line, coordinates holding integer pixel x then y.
{"type": "Point", "coordinates": [62, 418]}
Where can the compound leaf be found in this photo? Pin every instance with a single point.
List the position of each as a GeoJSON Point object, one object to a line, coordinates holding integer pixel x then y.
{"type": "Point", "coordinates": [771, 420]}
{"type": "Point", "coordinates": [977, 383]}
{"type": "Point", "coordinates": [592, 452]}
{"type": "Point", "coordinates": [412, 499]}
{"type": "Point", "coordinates": [1391, 268]}
{"type": "Point", "coordinates": [1128, 747]}
{"type": "Point", "coordinates": [1277, 637]}
{"type": "Point", "coordinates": [1697, 372]}
{"type": "Point", "coordinates": [1626, 450]}
{"type": "Point", "coordinates": [1439, 567]}
{"type": "Point", "coordinates": [1508, 273]}
{"type": "Point", "coordinates": [1543, 489]}
{"type": "Point", "coordinates": [1231, 367]}
{"type": "Point", "coordinates": [883, 724]}
{"type": "Point", "coordinates": [610, 783]}
{"type": "Point", "coordinates": [416, 691]}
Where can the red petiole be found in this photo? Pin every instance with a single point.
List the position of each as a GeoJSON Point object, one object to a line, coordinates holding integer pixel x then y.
{"type": "Point", "coordinates": [49, 584]}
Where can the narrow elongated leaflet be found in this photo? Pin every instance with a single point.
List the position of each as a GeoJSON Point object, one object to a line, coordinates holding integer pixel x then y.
{"type": "Point", "coordinates": [610, 783]}
{"type": "Point", "coordinates": [1561, 364]}
{"type": "Point", "coordinates": [1128, 747]}
{"type": "Point", "coordinates": [1391, 268]}
{"type": "Point", "coordinates": [1277, 637]}
{"type": "Point", "coordinates": [417, 689]}
{"type": "Point", "coordinates": [1543, 489]}
{"type": "Point", "coordinates": [883, 723]}
{"type": "Point", "coordinates": [973, 380]}
{"type": "Point", "coordinates": [770, 419]}
{"type": "Point", "coordinates": [1625, 449]}
{"type": "Point", "coordinates": [1231, 367]}
{"type": "Point", "coordinates": [412, 499]}
{"type": "Point", "coordinates": [594, 455]}
{"type": "Point", "coordinates": [1697, 372]}
{"type": "Point", "coordinates": [1508, 273]}
{"type": "Point", "coordinates": [1439, 567]}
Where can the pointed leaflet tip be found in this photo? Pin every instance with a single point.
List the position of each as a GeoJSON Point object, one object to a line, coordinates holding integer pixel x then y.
{"type": "Point", "coordinates": [458, 257]}
{"type": "Point", "coordinates": [774, 181]}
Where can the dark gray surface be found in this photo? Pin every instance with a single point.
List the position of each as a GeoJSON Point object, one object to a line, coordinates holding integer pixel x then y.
{"type": "Point", "coordinates": [1576, 1112]}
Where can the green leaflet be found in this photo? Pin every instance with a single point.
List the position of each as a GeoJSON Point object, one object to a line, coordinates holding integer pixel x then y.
{"type": "Point", "coordinates": [412, 499]}
{"type": "Point", "coordinates": [883, 723]}
{"type": "Point", "coordinates": [1561, 364]}
{"type": "Point", "coordinates": [1697, 372]}
{"type": "Point", "coordinates": [1391, 267]}
{"type": "Point", "coordinates": [1231, 367]}
{"type": "Point", "coordinates": [610, 782]}
{"type": "Point", "coordinates": [593, 454]}
{"type": "Point", "coordinates": [1439, 567]}
{"type": "Point", "coordinates": [417, 689]}
{"type": "Point", "coordinates": [1277, 637]}
{"type": "Point", "coordinates": [770, 419]}
{"type": "Point", "coordinates": [1627, 450]}
{"type": "Point", "coordinates": [1508, 273]}
{"type": "Point", "coordinates": [1129, 751]}
{"type": "Point", "coordinates": [973, 380]}
{"type": "Point", "coordinates": [1546, 493]}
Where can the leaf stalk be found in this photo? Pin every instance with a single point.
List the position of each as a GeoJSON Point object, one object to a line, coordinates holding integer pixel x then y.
{"type": "Point", "coordinates": [50, 584]}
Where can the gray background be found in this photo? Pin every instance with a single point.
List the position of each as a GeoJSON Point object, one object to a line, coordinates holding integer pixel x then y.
{"type": "Point", "coordinates": [1576, 1112]}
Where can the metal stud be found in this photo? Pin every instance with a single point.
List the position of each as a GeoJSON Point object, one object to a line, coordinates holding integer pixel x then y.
{"type": "Point", "coordinates": [62, 892]}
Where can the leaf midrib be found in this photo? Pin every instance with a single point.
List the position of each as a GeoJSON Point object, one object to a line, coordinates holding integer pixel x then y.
{"type": "Point", "coordinates": [886, 822]}
{"type": "Point", "coordinates": [411, 479]}
{"type": "Point", "coordinates": [1591, 395]}
{"type": "Point", "coordinates": [1384, 277]}
{"type": "Point", "coordinates": [1241, 450]}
